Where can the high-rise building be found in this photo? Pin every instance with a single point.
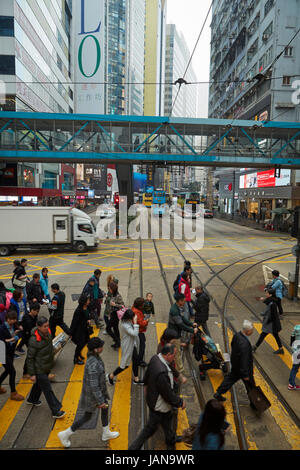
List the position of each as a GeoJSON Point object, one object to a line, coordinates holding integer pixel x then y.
{"type": "Point", "coordinates": [254, 61]}
{"type": "Point", "coordinates": [247, 37]}
{"type": "Point", "coordinates": [35, 67]}
{"type": "Point", "coordinates": [155, 48]}
{"type": "Point", "coordinates": [182, 103]}
{"type": "Point", "coordinates": [177, 58]}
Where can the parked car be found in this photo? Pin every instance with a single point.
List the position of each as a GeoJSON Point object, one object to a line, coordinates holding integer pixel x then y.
{"type": "Point", "coordinates": [208, 214]}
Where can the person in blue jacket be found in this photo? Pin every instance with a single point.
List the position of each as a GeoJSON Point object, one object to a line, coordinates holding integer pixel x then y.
{"type": "Point", "coordinates": [278, 287]}
{"type": "Point", "coordinates": [211, 428]}
{"type": "Point", "coordinates": [44, 282]}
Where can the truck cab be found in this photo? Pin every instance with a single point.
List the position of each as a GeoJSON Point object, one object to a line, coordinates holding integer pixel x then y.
{"type": "Point", "coordinates": [84, 231]}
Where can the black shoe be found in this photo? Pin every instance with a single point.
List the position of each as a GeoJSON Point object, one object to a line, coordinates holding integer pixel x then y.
{"type": "Point", "coordinates": [178, 439]}
{"type": "Point", "coordinates": [111, 381]}
{"type": "Point", "coordinates": [59, 414]}
{"type": "Point", "coordinates": [115, 346]}
{"type": "Point", "coordinates": [34, 403]}
{"type": "Point", "coordinates": [138, 382]}
{"type": "Point", "coordinates": [219, 397]}
{"type": "Point", "coordinates": [78, 361]}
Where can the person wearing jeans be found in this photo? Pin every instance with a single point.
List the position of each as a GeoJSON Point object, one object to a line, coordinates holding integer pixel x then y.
{"type": "Point", "coordinates": [40, 360]}
{"type": "Point", "coordinates": [271, 321]}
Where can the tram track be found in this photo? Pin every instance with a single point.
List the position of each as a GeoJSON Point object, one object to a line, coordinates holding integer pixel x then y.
{"type": "Point", "coordinates": [193, 371]}
{"type": "Point", "coordinates": [227, 324]}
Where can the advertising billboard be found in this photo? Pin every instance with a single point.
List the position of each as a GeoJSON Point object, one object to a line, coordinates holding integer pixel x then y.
{"type": "Point", "coordinates": [89, 24]}
{"type": "Point", "coordinates": [265, 179]}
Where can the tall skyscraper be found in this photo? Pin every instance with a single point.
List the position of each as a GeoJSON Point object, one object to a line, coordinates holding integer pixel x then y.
{"type": "Point", "coordinates": [35, 66]}
{"type": "Point", "coordinates": [247, 37]}
{"type": "Point", "coordinates": [155, 48]}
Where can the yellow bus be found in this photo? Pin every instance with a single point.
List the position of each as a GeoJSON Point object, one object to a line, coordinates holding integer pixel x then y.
{"type": "Point", "coordinates": [147, 199]}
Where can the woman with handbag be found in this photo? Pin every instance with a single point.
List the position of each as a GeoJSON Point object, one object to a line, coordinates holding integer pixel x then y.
{"type": "Point", "coordinates": [271, 321]}
{"type": "Point", "coordinates": [80, 328]}
{"type": "Point", "coordinates": [129, 329]}
{"type": "Point", "coordinates": [115, 304]}
{"type": "Point", "coordinates": [20, 278]}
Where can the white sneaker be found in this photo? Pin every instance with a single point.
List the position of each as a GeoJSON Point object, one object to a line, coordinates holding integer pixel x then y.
{"type": "Point", "coordinates": [104, 332]}
{"type": "Point", "coordinates": [107, 434]}
{"type": "Point", "coordinates": [64, 437]}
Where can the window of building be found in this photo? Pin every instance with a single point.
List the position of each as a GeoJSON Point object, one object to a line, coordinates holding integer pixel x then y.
{"type": "Point", "coordinates": [6, 26]}
{"type": "Point", "coordinates": [288, 51]}
{"type": "Point", "coordinates": [7, 65]}
{"type": "Point", "coordinates": [286, 80]}
{"type": "Point", "coordinates": [268, 6]}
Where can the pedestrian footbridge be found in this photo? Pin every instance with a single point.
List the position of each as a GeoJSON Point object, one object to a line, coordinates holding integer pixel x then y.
{"type": "Point", "coordinates": [83, 138]}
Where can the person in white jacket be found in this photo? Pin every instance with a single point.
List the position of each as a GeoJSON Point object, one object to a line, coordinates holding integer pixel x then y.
{"type": "Point", "coordinates": [129, 332]}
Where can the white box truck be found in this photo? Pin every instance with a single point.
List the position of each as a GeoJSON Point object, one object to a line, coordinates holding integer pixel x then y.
{"type": "Point", "coordinates": [45, 227]}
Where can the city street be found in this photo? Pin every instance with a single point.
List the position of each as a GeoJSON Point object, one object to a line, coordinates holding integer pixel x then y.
{"type": "Point", "coordinates": [149, 266]}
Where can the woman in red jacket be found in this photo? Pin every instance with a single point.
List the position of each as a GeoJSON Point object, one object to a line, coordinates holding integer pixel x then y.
{"type": "Point", "coordinates": [184, 288]}
{"type": "Point", "coordinates": [137, 309]}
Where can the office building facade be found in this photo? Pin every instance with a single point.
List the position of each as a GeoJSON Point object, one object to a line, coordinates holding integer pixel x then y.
{"type": "Point", "coordinates": [36, 70]}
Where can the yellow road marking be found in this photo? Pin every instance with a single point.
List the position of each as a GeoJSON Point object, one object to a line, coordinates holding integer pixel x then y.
{"type": "Point", "coordinates": [120, 409]}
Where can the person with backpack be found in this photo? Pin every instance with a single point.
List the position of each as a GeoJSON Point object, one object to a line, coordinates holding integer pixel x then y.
{"type": "Point", "coordinates": [280, 289]}
{"type": "Point", "coordinates": [184, 288]}
{"type": "Point", "coordinates": [295, 344]}
{"type": "Point", "coordinates": [20, 278]}
{"type": "Point", "coordinates": [271, 321]}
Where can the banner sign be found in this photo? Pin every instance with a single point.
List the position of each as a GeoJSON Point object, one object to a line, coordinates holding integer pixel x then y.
{"type": "Point", "coordinates": [265, 179]}
{"type": "Point", "coordinates": [89, 27]}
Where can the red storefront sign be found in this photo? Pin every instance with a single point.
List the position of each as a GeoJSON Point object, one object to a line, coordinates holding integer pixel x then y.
{"type": "Point", "coordinates": [266, 179]}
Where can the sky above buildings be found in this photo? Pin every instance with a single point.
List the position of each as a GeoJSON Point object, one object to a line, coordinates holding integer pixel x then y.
{"type": "Point", "coordinates": [189, 16]}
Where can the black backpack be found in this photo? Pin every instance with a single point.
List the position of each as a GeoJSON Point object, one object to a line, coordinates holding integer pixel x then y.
{"type": "Point", "coordinates": [176, 284]}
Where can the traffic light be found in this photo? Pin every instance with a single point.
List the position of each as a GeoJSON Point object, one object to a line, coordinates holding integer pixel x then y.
{"type": "Point", "coordinates": [295, 232]}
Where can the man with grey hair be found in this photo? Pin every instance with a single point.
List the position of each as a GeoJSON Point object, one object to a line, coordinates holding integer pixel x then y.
{"type": "Point", "coordinates": [241, 362]}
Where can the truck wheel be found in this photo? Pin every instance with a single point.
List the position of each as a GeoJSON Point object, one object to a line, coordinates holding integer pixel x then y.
{"type": "Point", "coordinates": [4, 250]}
{"type": "Point", "coordinates": [80, 247]}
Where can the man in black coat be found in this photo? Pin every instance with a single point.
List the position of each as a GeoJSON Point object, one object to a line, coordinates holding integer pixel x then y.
{"type": "Point", "coordinates": [56, 309]}
{"type": "Point", "coordinates": [34, 290]}
{"type": "Point", "coordinates": [241, 362]}
{"type": "Point", "coordinates": [160, 398]}
{"type": "Point", "coordinates": [201, 306]}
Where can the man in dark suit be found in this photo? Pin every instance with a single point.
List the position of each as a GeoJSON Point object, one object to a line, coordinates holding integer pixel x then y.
{"type": "Point", "coordinates": [241, 362]}
{"type": "Point", "coordinates": [160, 398]}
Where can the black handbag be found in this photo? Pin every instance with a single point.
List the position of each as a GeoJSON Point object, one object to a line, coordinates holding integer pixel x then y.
{"type": "Point", "coordinates": [258, 399]}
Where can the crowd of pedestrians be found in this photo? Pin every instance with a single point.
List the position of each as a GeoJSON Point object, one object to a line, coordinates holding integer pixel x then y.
{"type": "Point", "coordinates": [22, 325]}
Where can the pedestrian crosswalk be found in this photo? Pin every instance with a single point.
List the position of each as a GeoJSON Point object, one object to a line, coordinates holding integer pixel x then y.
{"type": "Point", "coordinates": [122, 402]}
